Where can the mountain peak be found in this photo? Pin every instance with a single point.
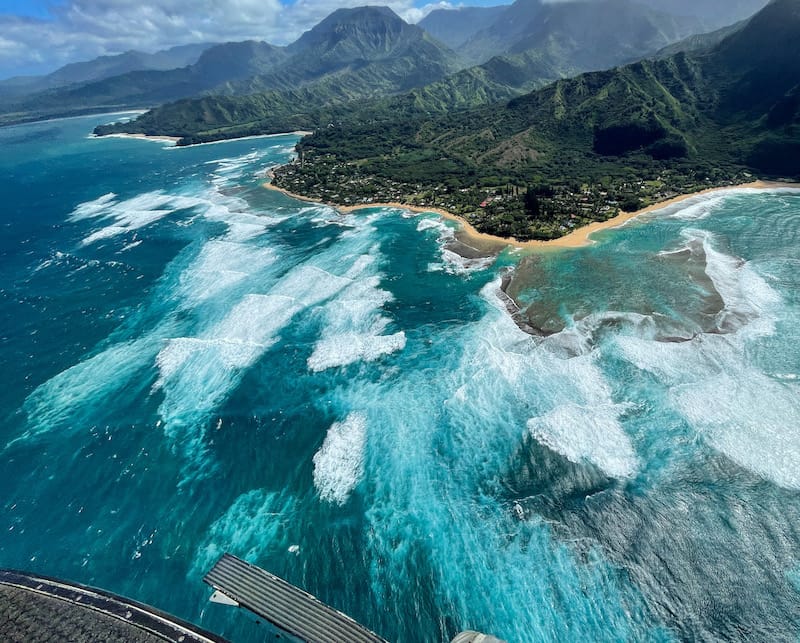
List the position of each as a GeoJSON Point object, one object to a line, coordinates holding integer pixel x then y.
{"type": "Point", "coordinates": [350, 14]}
{"type": "Point", "coordinates": [367, 29]}
{"type": "Point", "coordinates": [368, 16]}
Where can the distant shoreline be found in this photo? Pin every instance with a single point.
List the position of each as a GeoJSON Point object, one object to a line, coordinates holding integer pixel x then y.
{"type": "Point", "coordinates": [578, 238]}
{"type": "Point", "coordinates": [55, 119]}
{"type": "Point", "coordinates": [176, 139]}
{"type": "Point", "coordinates": [145, 137]}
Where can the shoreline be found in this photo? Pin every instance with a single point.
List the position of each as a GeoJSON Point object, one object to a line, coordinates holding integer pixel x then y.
{"type": "Point", "coordinates": [55, 119]}
{"type": "Point", "coordinates": [244, 138]}
{"type": "Point", "coordinates": [578, 238]}
{"type": "Point", "coordinates": [176, 139]}
{"type": "Point", "coordinates": [142, 137]}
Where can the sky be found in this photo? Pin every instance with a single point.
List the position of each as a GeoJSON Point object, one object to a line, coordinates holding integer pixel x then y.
{"type": "Point", "coordinates": [38, 36]}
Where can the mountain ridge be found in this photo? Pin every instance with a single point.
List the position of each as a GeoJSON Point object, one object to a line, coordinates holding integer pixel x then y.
{"type": "Point", "coordinates": [103, 67]}
{"type": "Point", "coordinates": [654, 127]}
{"type": "Point", "coordinates": [368, 51]}
{"type": "Point", "coordinates": [500, 78]}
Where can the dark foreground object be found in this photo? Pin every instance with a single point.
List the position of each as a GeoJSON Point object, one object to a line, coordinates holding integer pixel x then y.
{"type": "Point", "coordinates": [36, 608]}
{"type": "Point", "coordinates": [289, 608]}
{"type": "Point", "coordinates": [295, 613]}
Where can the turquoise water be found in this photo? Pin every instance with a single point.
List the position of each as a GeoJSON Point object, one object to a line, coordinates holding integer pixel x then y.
{"type": "Point", "coordinates": [194, 365]}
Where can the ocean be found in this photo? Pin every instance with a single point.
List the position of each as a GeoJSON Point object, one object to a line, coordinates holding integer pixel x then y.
{"type": "Point", "coordinates": [194, 364]}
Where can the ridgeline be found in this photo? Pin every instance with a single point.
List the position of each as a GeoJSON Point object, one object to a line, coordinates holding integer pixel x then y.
{"type": "Point", "coordinates": [578, 150]}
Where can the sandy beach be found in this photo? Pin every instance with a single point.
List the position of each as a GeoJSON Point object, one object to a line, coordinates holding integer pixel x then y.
{"type": "Point", "coordinates": [575, 239]}
{"type": "Point", "coordinates": [175, 139]}
{"type": "Point", "coordinates": [146, 137]}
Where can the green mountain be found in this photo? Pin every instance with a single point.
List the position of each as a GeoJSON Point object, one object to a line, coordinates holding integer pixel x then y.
{"type": "Point", "coordinates": [637, 132]}
{"type": "Point", "coordinates": [101, 68]}
{"type": "Point", "coordinates": [372, 43]}
{"type": "Point", "coordinates": [582, 35]}
{"type": "Point", "coordinates": [454, 27]}
{"type": "Point", "coordinates": [371, 53]}
{"type": "Point", "coordinates": [353, 53]}
{"type": "Point", "coordinates": [216, 66]}
{"type": "Point", "coordinates": [700, 42]}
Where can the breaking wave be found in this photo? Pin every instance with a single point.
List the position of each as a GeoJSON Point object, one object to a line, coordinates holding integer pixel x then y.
{"type": "Point", "coordinates": [339, 463]}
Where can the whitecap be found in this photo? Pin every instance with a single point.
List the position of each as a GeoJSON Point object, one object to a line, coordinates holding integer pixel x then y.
{"type": "Point", "coordinates": [588, 434]}
{"type": "Point", "coordinates": [348, 348]}
{"type": "Point", "coordinates": [452, 262]}
{"type": "Point", "coordinates": [339, 463]}
{"type": "Point", "coordinates": [749, 417]}
{"type": "Point", "coordinates": [69, 400]}
{"type": "Point", "coordinates": [738, 410]}
{"type": "Point", "coordinates": [219, 265]}
{"type": "Point", "coordinates": [354, 326]}
{"type": "Point", "coordinates": [130, 214]}
{"type": "Point", "coordinates": [236, 342]}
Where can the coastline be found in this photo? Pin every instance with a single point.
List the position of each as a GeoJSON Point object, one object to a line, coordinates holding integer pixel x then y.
{"type": "Point", "coordinates": [143, 137]}
{"type": "Point", "coordinates": [576, 239]}
{"type": "Point", "coordinates": [242, 138]}
{"type": "Point", "coordinates": [174, 140]}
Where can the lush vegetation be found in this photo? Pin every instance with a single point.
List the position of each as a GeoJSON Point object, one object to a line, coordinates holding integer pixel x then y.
{"type": "Point", "coordinates": [538, 43]}
{"type": "Point", "coordinates": [352, 54]}
{"type": "Point", "coordinates": [585, 147]}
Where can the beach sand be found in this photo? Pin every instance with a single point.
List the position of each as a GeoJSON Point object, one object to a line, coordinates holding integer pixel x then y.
{"type": "Point", "coordinates": [175, 139]}
{"type": "Point", "coordinates": [575, 239]}
{"type": "Point", "coordinates": [163, 139]}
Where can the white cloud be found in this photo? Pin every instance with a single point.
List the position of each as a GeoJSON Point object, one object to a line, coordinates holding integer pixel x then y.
{"type": "Point", "coordinates": [84, 29]}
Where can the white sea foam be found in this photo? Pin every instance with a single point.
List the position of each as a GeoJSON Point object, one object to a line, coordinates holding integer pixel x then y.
{"type": "Point", "coordinates": [348, 348]}
{"type": "Point", "coordinates": [737, 409]}
{"type": "Point", "coordinates": [230, 170]}
{"type": "Point", "coordinates": [749, 417]}
{"type": "Point", "coordinates": [701, 206]}
{"type": "Point", "coordinates": [587, 434]}
{"type": "Point", "coordinates": [746, 295]}
{"type": "Point", "coordinates": [455, 264]}
{"type": "Point", "coordinates": [452, 262]}
{"type": "Point", "coordinates": [147, 208]}
{"type": "Point", "coordinates": [361, 263]}
{"type": "Point", "coordinates": [310, 285]}
{"type": "Point", "coordinates": [199, 373]}
{"type": "Point", "coordinates": [339, 463]}
{"type": "Point", "coordinates": [697, 208]}
{"type": "Point", "coordinates": [131, 245]}
{"type": "Point", "coordinates": [430, 223]}
{"type": "Point", "coordinates": [570, 403]}
{"type": "Point", "coordinates": [235, 343]}
{"type": "Point", "coordinates": [354, 327]}
{"type": "Point", "coordinates": [93, 208]}
{"type": "Point", "coordinates": [221, 264]}
{"type": "Point", "coordinates": [446, 464]}
{"type": "Point", "coordinates": [67, 400]}
{"type": "Point", "coordinates": [130, 214]}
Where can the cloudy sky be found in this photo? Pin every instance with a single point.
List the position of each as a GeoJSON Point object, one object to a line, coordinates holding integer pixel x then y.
{"type": "Point", "coordinates": [37, 36]}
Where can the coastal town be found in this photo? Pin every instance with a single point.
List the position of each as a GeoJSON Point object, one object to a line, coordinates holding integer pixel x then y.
{"type": "Point", "coordinates": [537, 211]}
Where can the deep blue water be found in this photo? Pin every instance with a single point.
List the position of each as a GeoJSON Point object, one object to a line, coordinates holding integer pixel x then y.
{"type": "Point", "coordinates": [194, 364]}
